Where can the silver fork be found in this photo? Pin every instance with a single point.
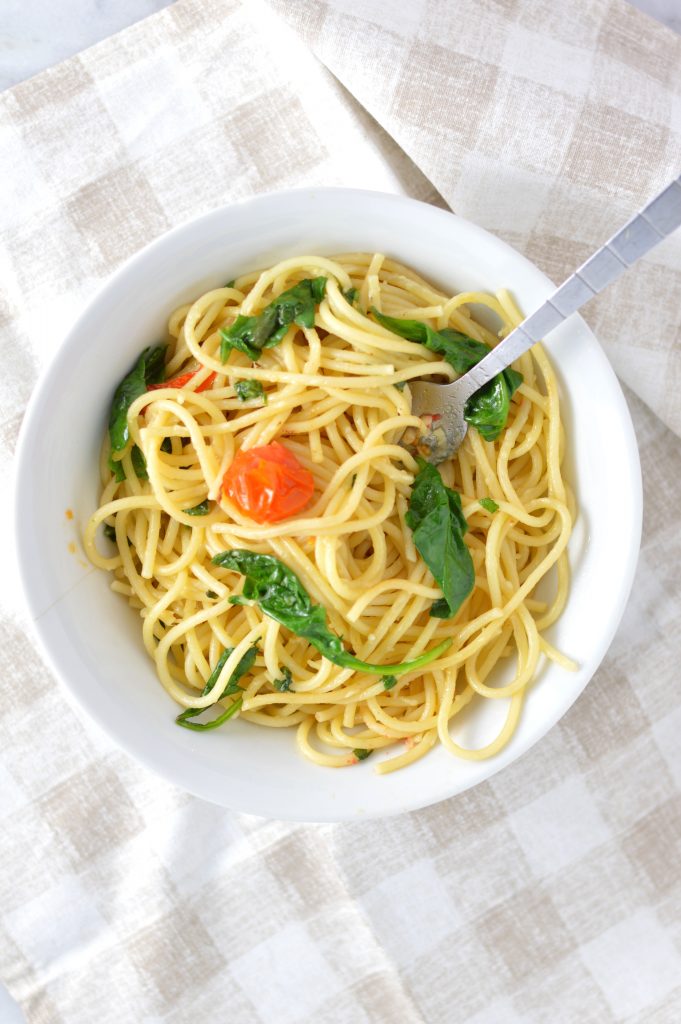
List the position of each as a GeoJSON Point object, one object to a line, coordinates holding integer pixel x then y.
{"type": "Point", "coordinates": [441, 406]}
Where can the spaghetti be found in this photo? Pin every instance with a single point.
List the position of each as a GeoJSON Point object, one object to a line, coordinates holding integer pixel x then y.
{"type": "Point", "coordinates": [331, 388]}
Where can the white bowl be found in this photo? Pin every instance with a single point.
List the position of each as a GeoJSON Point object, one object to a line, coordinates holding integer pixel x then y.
{"type": "Point", "coordinates": [93, 640]}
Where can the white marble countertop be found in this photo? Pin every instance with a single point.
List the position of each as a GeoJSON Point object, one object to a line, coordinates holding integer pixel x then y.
{"type": "Point", "coordinates": [35, 34]}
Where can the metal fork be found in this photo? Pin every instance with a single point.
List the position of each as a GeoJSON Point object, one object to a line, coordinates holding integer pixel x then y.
{"type": "Point", "coordinates": [442, 405]}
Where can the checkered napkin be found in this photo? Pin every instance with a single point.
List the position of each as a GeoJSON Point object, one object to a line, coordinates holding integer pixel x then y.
{"type": "Point", "coordinates": [551, 893]}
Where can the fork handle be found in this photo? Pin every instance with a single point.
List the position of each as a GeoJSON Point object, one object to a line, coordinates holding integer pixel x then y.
{"type": "Point", "coordinates": [639, 235]}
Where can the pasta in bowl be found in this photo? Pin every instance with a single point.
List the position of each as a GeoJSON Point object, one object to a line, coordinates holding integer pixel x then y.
{"type": "Point", "coordinates": [294, 570]}
{"type": "Point", "coordinates": [276, 457]}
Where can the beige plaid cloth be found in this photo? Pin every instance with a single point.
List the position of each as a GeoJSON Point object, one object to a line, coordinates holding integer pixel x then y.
{"type": "Point", "coordinates": [551, 893]}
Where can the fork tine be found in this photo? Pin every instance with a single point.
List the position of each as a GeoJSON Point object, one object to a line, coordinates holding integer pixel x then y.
{"type": "Point", "coordinates": [441, 409]}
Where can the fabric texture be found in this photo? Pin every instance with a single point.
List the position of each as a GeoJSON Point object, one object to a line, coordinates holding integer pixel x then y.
{"type": "Point", "coordinates": [552, 891]}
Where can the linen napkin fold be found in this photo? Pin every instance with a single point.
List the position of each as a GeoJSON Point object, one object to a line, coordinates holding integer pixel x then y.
{"type": "Point", "coordinates": [549, 892]}
{"type": "Point", "coordinates": [548, 124]}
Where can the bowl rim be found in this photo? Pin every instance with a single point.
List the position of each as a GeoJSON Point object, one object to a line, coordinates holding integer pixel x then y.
{"type": "Point", "coordinates": [146, 754]}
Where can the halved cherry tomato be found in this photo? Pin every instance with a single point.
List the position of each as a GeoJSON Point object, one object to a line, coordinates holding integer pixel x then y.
{"type": "Point", "coordinates": [184, 378]}
{"type": "Point", "coordinates": [268, 483]}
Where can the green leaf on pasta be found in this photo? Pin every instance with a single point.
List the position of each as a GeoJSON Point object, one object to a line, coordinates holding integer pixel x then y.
{"type": "Point", "coordinates": [244, 665]}
{"type": "Point", "coordinates": [201, 509]}
{"type": "Point", "coordinates": [149, 369]}
{"type": "Point", "coordinates": [139, 463]}
{"type": "Point", "coordinates": [117, 468]}
{"type": "Point", "coordinates": [283, 684]}
{"type": "Point", "coordinates": [487, 410]}
{"type": "Point", "coordinates": [247, 389]}
{"type": "Point", "coordinates": [280, 594]}
{"type": "Point", "coordinates": [251, 334]}
{"type": "Point", "coordinates": [438, 525]}
{"type": "Point", "coordinates": [489, 504]}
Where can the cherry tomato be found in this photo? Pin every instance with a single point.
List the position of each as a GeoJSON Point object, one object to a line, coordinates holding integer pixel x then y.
{"type": "Point", "coordinates": [268, 483]}
{"type": "Point", "coordinates": [184, 378]}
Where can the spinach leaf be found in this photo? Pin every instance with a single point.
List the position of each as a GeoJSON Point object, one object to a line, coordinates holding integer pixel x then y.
{"type": "Point", "coordinates": [244, 665]}
{"type": "Point", "coordinates": [246, 389]}
{"type": "Point", "coordinates": [361, 754]}
{"type": "Point", "coordinates": [281, 595]}
{"type": "Point", "coordinates": [458, 349]}
{"type": "Point", "coordinates": [389, 682]}
{"type": "Point", "coordinates": [251, 334]}
{"type": "Point", "coordinates": [139, 463]}
{"type": "Point", "coordinates": [198, 510]}
{"type": "Point", "coordinates": [283, 684]}
{"type": "Point", "coordinates": [438, 524]}
{"type": "Point", "coordinates": [116, 467]}
{"type": "Point", "coordinates": [350, 295]}
{"type": "Point", "coordinates": [167, 446]}
{"type": "Point", "coordinates": [230, 284]}
{"type": "Point", "coordinates": [211, 594]}
{"type": "Point", "coordinates": [487, 409]}
{"type": "Point", "coordinates": [110, 532]}
{"type": "Point", "coordinates": [489, 504]}
{"type": "Point", "coordinates": [214, 722]}
{"type": "Point", "coordinates": [149, 369]}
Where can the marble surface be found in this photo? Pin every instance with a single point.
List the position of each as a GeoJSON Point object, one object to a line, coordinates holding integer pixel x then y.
{"type": "Point", "coordinates": [35, 34]}
{"type": "Point", "coordinates": [666, 11]}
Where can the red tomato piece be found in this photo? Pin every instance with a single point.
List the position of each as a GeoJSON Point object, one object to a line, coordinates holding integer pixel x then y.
{"type": "Point", "coordinates": [268, 483]}
{"type": "Point", "coordinates": [184, 378]}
